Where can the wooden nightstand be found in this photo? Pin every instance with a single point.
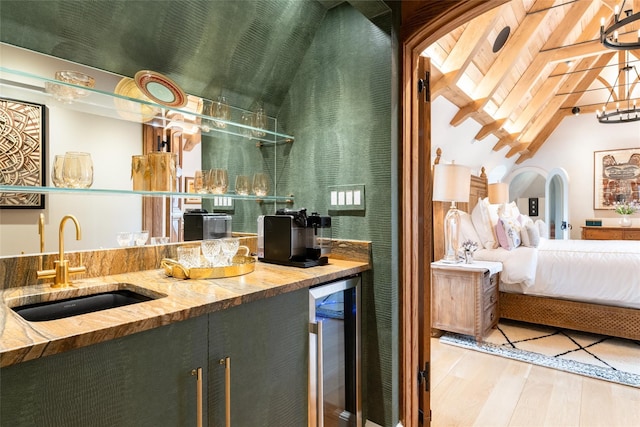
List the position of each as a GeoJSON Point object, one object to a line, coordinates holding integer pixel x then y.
{"type": "Point", "coordinates": [464, 297]}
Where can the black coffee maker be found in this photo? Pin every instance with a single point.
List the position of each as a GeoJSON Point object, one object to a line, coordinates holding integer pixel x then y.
{"type": "Point", "coordinates": [290, 237]}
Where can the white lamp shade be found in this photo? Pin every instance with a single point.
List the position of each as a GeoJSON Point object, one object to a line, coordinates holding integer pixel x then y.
{"type": "Point", "coordinates": [451, 183]}
{"type": "Point", "coordinates": [498, 193]}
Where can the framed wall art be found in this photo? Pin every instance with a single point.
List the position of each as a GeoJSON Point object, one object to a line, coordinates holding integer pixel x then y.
{"type": "Point", "coordinates": [22, 152]}
{"type": "Point", "coordinates": [616, 177]}
{"type": "Point", "coordinates": [189, 188]}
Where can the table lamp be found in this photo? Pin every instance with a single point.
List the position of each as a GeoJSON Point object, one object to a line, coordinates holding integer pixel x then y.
{"type": "Point", "coordinates": [451, 183]}
{"type": "Point", "coordinates": [498, 194]}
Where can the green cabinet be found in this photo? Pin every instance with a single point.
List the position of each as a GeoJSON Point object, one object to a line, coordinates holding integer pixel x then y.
{"type": "Point", "coordinates": [146, 379]}
{"type": "Point", "coordinates": [266, 343]}
{"type": "Point", "coordinates": [139, 380]}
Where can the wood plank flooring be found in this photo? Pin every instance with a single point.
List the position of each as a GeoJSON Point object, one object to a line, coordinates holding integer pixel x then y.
{"type": "Point", "coordinates": [470, 388]}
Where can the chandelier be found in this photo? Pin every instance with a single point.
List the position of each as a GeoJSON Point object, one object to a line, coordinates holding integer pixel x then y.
{"type": "Point", "coordinates": [609, 36]}
{"type": "Point", "coordinates": [625, 110]}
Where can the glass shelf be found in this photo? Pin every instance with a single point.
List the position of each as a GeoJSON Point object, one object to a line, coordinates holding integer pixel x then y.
{"type": "Point", "coordinates": [29, 87]}
{"type": "Point", "coordinates": [104, 191]}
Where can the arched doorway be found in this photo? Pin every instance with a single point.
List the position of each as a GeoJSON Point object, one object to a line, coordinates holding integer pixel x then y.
{"type": "Point", "coordinates": [423, 22]}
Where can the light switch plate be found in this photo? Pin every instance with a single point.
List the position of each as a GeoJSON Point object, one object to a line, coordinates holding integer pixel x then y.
{"type": "Point", "coordinates": [223, 203]}
{"type": "Point", "coordinates": [349, 197]}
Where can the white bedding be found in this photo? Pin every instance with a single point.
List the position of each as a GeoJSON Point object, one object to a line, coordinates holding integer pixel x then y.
{"type": "Point", "coordinates": [600, 271]}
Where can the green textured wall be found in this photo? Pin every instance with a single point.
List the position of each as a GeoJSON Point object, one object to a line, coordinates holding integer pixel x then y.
{"type": "Point", "coordinates": [339, 109]}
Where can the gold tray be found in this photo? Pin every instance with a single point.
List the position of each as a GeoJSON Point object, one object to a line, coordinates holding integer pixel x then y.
{"type": "Point", "coordinates": [241, 264]}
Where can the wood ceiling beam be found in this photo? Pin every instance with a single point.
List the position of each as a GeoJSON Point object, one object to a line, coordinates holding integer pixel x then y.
{"type": "Point", "coordinates": [508, 140]}
{"type": "Point", "coordinates": [509, 54]}
{"type": "Point", "coordinates": [548, 120]}
{"type": "Point", "coordinates": [487, 130]}
{"type": "Point", "coordinates": [548, 104]}
{"type": "Point", "coordinates": [517, 149]}
{"type": "Point", "coordinates": [540, 62]}
{"type": "Point", "coordinates": [438, 86]}
{"type": "Point", "coordinates": [468, 43]}
{"type": "Point", "coordinates": [466, 111]}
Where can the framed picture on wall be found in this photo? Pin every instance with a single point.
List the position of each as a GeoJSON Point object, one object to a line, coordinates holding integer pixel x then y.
{"type": "Point", "coordinates": [189, 188]}
{"type": "Point", "coordinates": [22, 152]}
{"type": "Point", "coordinates": [616, 177]}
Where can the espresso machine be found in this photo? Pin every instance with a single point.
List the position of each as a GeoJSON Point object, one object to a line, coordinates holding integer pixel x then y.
{"type": "Point", "coordinates": [290, 237]}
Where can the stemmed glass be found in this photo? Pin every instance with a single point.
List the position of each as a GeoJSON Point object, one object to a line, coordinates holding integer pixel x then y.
{"type": "Point", "coordinates": [211, 249]}
{"type": "Point", "coordinates": [229, 247]}
{"type": "Point", "coordinates": [220, 110]}
{"type": "Point", "coordinates": [261, 184]}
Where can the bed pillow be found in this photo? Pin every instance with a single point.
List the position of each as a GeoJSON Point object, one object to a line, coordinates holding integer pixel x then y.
{"type": "Point", "coordinates": [484, 228]}
{"type": "Point", "coordinates": [530, 235]}
{"type": "Point", "coordinates": [508, 232]}
{"type": "Point", "coordinates": [524, 220]}
{"type": "Point", "coordinates": [467, 230]}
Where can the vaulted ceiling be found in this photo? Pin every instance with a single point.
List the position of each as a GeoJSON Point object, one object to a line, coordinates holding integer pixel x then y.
{"type": "Point", "coordinates": [551, 61]}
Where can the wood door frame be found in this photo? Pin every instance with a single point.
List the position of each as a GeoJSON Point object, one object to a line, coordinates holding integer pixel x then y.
{"type": "Point", "coordinates": [423, 23]}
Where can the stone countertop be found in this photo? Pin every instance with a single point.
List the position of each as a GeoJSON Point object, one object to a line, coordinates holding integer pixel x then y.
{"type": "Point", "coordinates": [21, 340]}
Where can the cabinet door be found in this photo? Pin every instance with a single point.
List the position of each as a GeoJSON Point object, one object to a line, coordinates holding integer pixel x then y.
{"type": "Point", "coordinates": [266, 342]}
{"type": "Point", "coordinates": [140, 380]}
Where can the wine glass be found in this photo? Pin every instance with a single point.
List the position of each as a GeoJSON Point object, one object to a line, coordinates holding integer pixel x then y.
{"type": "Point", "coordinates": [229, 247]}
{"type": "Point", "coordinates": [259, 121]}
{"type": "Point", "coordinates": [219, 181]}
{"type": "Point", "coordinates": [220, 110]}
{"type": "Point", "coordinates": [211, 249]}
{"type": "Point", "coordinates": [242, 185]}
{"type": "Point", "coordinates": [261, 184]}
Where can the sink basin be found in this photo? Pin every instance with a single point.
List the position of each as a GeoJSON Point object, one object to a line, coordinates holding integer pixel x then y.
{"type": "Point", "coordinates": [59, 309]}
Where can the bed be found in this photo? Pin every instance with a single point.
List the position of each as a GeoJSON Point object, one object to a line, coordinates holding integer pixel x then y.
{"type": "Point", "coordinates": [585, 285]}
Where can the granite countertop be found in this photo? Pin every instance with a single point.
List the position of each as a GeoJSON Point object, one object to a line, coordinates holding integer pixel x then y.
{"type": "Point", "coordinates": [21, 340]}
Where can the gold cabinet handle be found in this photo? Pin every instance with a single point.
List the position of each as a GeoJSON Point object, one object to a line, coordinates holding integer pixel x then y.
{"type": "Point", "coordinates": [227, 389]}
{"type": "Point", "coordinates": [198, 374]}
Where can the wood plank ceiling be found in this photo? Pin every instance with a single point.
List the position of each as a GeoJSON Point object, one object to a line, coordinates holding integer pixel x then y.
{"type": "Point", "coordinates": [551, 62]}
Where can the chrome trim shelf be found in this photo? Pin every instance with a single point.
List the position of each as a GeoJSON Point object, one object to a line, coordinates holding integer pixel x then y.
{"type": "Point", "coordinates": [29, 87]}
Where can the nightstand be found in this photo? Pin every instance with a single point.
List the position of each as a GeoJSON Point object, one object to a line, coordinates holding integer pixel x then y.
{"type": "Point", "coordinates": [464, 297]}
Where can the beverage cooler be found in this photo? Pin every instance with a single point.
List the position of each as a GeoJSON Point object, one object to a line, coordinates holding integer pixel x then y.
{"type": "Point", "coordinates": [334, 354]}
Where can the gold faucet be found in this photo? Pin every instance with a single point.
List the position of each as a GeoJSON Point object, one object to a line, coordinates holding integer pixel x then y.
{"type": "Point", "coordinates": [41, 233]}
{"type": "Point", "coordinates": [62, 269]}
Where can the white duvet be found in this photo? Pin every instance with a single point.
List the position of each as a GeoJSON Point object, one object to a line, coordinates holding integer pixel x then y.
{"type": "Point", "coordinates": [600, 271]}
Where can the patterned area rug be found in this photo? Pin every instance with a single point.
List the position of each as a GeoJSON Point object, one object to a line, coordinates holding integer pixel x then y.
{"type": "Point", "coordinates": [597, 356]}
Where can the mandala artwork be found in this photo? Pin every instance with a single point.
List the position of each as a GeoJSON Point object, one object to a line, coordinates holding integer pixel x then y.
{"type": "Point", "coordinates": [21, 152]}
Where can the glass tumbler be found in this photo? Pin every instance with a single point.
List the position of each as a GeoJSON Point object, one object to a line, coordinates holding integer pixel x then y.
{"type": "Point", "coordinates": [261, 184]}
{"type": "Point", "coordinates": [243, 185]}
{"type": "Point", "coordinates": [77, 170]}
{"type": "Point", "coordinates": [56, 170]}
{"type": "Point", "coordinates": [219, 181]}
{"type": "Point", "coordinates": [189, 256]}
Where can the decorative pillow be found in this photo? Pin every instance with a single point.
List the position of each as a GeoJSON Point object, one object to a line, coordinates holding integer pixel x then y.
{"type": "Point", "coordinates": [524, 220]}
{"type": "Point", "coordinates": [483, 226]}
{"type": "Point", "coordinates": [542, 228]}
{"type": "Point", "coordinates": [467, 230]}
{"type": "Point", "coordinates": [511, 209]}
{"type": "Point", "coordinates": [530, 235]}
{"type": "Point", "coordinates": [508, 232]}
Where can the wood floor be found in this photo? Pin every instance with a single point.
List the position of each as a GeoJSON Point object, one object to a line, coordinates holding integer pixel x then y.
{"type": "Point", "coordinates": [470, 388]}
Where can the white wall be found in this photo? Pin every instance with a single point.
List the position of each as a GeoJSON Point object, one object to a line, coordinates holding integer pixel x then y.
{"type": "Point", "coordinates": [111, 144]}
{"type": "Point", "coordinates": [570, 147]}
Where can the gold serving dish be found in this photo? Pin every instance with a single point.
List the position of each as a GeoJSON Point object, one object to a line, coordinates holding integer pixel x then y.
{"type": "Point", "coordinates": [241, 264]}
